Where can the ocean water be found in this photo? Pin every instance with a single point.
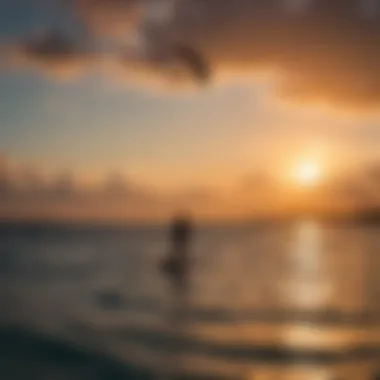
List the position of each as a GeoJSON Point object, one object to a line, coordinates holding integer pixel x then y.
{"type": "Point", "coordinates": [264, 302]}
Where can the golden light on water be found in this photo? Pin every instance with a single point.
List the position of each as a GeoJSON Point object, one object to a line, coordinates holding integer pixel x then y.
{"type": "Point", "coordinates": [311, 284]}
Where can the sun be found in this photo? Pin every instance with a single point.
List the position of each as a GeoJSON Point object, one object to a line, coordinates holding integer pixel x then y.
{"type": "Point", "coordinates": [308, 173]}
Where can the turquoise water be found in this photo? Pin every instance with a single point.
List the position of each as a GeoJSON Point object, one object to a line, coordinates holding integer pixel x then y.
{"type": "Point", "coordinates": [291, 302]}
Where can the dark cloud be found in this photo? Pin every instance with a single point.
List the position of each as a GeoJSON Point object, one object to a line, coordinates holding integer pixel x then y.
{"type": "Point", "coordinates": [148, 49]}
{"type": "Point", "coordinates": [51, 51]}
{"type": "Point", "coordinates": [327, 51]}
{"type": "Point", "coordinates": [51, 47]}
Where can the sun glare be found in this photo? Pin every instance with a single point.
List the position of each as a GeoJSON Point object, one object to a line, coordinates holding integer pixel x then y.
{"type": "Point", "coordinates": [308, 173]}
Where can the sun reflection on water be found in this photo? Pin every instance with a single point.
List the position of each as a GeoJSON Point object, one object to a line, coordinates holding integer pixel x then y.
{"type": "Point", "coordinates": [308, 286]}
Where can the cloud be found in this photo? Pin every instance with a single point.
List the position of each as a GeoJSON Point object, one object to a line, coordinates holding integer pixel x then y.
{"type": "Point", "coordinates": [358, 188]}
{"type": "Point", "coordinates": [113, 18]}
{"type": "Point", "coordinates": [328, 51]}
{"type": "Point", "coordinates": [51, 52]}
{"type": "Point", "coordinates": [122, 33]}
{"type": "Point", "coordinates": [28, 192]}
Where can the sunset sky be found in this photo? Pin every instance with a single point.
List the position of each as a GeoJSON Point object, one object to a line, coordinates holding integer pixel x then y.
{"type": "Point", "coordinates": [291, 91]}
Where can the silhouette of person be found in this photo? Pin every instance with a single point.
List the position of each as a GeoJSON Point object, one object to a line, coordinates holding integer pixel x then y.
{"type": "Point", "coordinates": [176, 268]}
{"type": "Point", "coordinates": [176, 264]}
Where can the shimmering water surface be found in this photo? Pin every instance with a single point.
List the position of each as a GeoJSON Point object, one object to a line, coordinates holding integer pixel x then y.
{"type": "Point", "coordinates": [290, 302]}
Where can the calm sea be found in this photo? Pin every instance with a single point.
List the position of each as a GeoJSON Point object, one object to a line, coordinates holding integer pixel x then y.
{"type": "Point", "coordinates": [287, 302]}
